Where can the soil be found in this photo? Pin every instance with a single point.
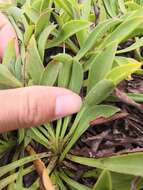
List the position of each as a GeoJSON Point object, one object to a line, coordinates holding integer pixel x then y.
{"type": "Point", "coordinates": [122, 133]}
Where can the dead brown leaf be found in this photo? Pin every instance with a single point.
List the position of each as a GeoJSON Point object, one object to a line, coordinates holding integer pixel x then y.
{"type": "Point", "coordinates": [103, 120]}
{"type": "Point", "coordinates": [45, 181]}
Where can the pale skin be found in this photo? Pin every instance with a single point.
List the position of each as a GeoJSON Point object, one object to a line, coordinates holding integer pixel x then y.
{"type": "Point", "coordinates": [31, 106]}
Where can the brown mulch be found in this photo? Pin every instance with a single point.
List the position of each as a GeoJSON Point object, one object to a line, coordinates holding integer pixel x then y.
{"type": "Point", "coordinates": [120, 134]}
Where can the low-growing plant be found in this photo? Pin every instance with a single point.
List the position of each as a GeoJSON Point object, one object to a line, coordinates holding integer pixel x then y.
{"type": "Point", "coordinates": [87, 35]}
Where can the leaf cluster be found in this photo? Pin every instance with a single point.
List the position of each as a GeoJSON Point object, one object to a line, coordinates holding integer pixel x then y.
{"type": "Point", "coordinates": [90, 64]}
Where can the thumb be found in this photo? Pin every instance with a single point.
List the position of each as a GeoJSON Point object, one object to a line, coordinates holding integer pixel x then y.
{"type": "Point", "coordinates": [30, 106]}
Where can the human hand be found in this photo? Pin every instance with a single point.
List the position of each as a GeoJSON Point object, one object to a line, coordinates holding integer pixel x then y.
{"type": "Point", "coordinates": [31, 106]}
{"type": "Point", "coordinates": [7, 33]}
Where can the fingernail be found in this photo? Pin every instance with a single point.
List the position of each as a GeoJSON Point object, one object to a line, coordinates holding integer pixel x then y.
{"type": "Point", "coordinates": [67, 104]}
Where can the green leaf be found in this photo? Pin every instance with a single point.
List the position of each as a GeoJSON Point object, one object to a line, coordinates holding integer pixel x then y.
{"type": "Point", "coordinates": [46, 4]}
{"type": "Point", "coordinates": [65, 70]}
{"type": "Point", "coordinates": [5, 146]}
{"type": "Point", "coordinates": [131, 6]}
{"type": "Point", "coordinates": [123, 181]}
{"type": "Point", "coordinates": [125, 164]}
{"type": "Point", "coordinates": [59, 181]}
{"type": "Point", "coordinates": [28, 33]}
{"type": "Point", "coordinates": [119, 60]}
{"type": "Point", "coordinates": [36, 135]}
{"type": "Point", "coordinates": [86, 9]}
{"type": "Point", "coordinates": [119, 73]}
{"type": "Point", "coordinates": [101, 64]}
{"type": "Point", "coordinates": [72, 182]}
{"type": "Point", "coordinates": [7, 79]}
{"type": "Point", "coordinates": [32, 14]}
{"type": "Point", "coordinates": [123, 30]}
{"type": "Point", "coordinates": [138, 97]}
{"type": "Point", "coordinates": [110, 6]}
{"type": "Point", "coordinates": [15, 12]}
{"type": "Point", "coordinates": [50, 73]}
{"type": "Point", "coordinates": [76, 77]}
{"type": "Point", "coordinates": [34, 64]}
{"type": "Point", "coordinates": [92, 113]}
{"type": "Point", "coordinates": [99, 92]}
{"type": "Point", "coordinates": [42, 22]}
{"type": "Point", "coordinates": [66, 6]}
{"type": "Point", "coordinates": [9, 167]}
{"type": "Point", "coordinates": [10, 54]}
{"type": "Point", "coordinates": [19, 181]}
{"type": "Point", "coordinates": [75, 85]}
{"type": "Point", "coordinates": [104, 181]}
{"type": "Point", "coordinates": [18, 68]}
{"type": "Point", "coordinates": [99, 31]}
{"type": "Point", "coordinates": [36, 4]}
{"type": "Point", "coordinates": [70, 28]}
{"type": "Point", "coordinates": [18, 31]}
{"type": "Point", "coordinates": [85, 13]}
{"type": "Point", "coordinates": [43, 37]}
{"type": "Point", "coordinates": [134, 46]}
{"type": "Point", "coordinates": [62, 57]}
{"type": "Point", "coordinates": [122, 6]}
{"type": "Point", "coordinates": [21, 135]}
{"type": "Point", "coordinates": [89, 114]}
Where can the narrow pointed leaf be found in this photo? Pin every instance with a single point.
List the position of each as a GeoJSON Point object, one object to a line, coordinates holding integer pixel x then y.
{"type": "Point", "coordinates": [46, 4]}
{"type": "Point", "coordinates": [134, 46]}
{"type": "Point", "coordinates": [73, 183]}
{"type": "Point", "coordinates": [50, 74]}
{"type": "Point", "coordinates": [85, 13]}
{"type": "Point", "coordinates": [65, 70]}
{"type": "Point", "coordinates": [86, 9]}
{"type": "Point", "coordinates": [7, 79]}
{"type": "Point", "coordinates": [126, 164]}
{"type": "Point", "coordinates": [36, 135]}
{"type": "Point", "coordinates": [43, 37]}
{"type": "Point", "coordinates": [95, 35]}
{"type": "Point", "coordinates": [36, 5]}
{"type": "Point", "coordinates": [59, 181]}
{"type": "Point", "coordinates": [68, 29]}
{"type": "Point", "coordinates": [109, 5]}
{"type": "Point", "coordinates": [18, 68]}
{"type": "Point", "coordinates": [9, 167]}
{"type": "Point", "coordinates": [119, 73]}
{"type": "Point", "coordinates": [76, 77]}
{"type": "Point", "coordinates": [32, 14]}
{"type": "Point", "coordinates": [122, 6]}
{"type": "Point", "coordinates": [10, 54]}
{"type": "Point", "coordinates": [65, 5]}
{"type": "Point", "coordinates": [28, 33]}
{"type": "Point", "coordinates": [42, 22]}
{"type": "Point", "coordinates": [104, 181]}
{"type": "Point", "coordinates": [102, 64]}
{"type": "Point", "coordinates": [99, 92]}
{"type": "Point", "coordinates": [34, 64]}
{"type": "Point", "coordinates": [123, 30]}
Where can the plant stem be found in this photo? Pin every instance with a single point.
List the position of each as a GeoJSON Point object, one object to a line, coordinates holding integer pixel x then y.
{"type": "Point", "coordinates": [58, 128]}
{"type": "Point", "coordinates": [65, 126]}
{"type": "Point", "coordinates": [50, 130]}
{"type": "Point", "coordinates": [76, 121]}
{"type": "Point", "coordinates": [68, 136]}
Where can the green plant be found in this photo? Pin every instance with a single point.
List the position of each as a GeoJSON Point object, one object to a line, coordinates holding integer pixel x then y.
{"type": "Point", "coordinates": [94, 63]}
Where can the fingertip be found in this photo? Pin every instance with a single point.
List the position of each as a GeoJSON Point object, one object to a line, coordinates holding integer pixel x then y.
{"type": "Point", "coordinates": [67, 104]}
